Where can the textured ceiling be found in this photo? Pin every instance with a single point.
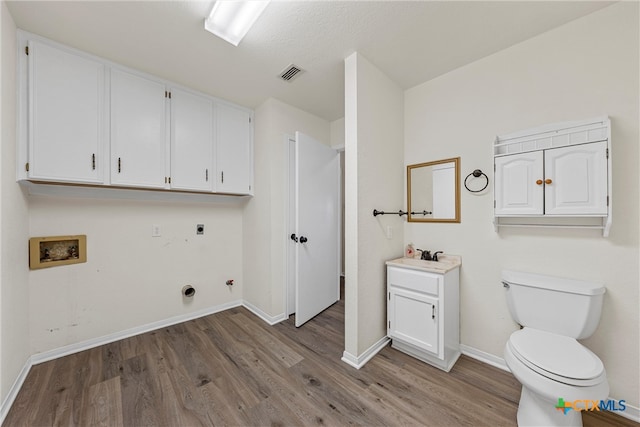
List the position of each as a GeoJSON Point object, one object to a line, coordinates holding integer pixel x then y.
{"type": "Point", "coordinates": [411, 42]}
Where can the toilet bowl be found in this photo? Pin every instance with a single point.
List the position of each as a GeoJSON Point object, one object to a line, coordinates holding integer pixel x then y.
{"type": "Point", "coordinates": [560, 377]}
{"type": "Point", "coordinates": [552, 367]}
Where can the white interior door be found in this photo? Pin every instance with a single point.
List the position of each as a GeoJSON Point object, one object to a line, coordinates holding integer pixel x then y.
{"type": "Point", "coordinates": [317, 180]}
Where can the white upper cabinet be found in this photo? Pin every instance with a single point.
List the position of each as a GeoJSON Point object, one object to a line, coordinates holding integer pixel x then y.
{"type": "Point", "coordinates": [234, 156]}
{"type": "Point", "coordinates": [138, 131]}
{"type": "Point", "coordinates": [559, 174]}
{"type": "Point", "coordinates": [576, 180]}
{"type": "Point", "coordinates": [66, 116]}
{"type": "Point", "coordinates": [85, 120]}
{"type": "Point", "coordinates": [519, 184]}
{"type": "Point", "coordinates": [192, 143]}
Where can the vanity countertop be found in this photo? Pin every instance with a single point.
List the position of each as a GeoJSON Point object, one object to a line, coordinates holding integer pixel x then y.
{"type": "Point", "coordinates": [445, 263]}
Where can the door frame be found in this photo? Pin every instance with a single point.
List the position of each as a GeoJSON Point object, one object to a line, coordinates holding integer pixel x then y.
{"type": "Point", "coordinates": [289, 290]}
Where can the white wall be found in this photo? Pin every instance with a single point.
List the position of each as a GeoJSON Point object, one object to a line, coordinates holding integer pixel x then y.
{"type": "Point", "coordinates": [265, 235]}
{"type": "Point", "coordinates": [581, 70]}
{"type": "Point", "coordinates": [373, 180]}
{"type": "Point", "coordinates": [337, 134]}
{"type": "Point", "coordinates": [14, 319]}
{"type": "Point", "coordinates": [130, 279]}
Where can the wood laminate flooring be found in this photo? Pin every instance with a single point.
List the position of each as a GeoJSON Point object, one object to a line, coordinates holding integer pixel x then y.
{"type": "Point", "coordinates": [232, 369]}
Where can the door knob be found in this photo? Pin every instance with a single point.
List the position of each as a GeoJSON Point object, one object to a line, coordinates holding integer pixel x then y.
{"type": "Point", "coordinates": [294, 237]}
{"type": "Point", "coordinates": [547, 181]}
{"type": "Point", "coordinates": [303, 239]}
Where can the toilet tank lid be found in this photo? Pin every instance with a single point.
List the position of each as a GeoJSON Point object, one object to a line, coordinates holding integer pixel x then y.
{"type": "Point", "coordinates": [552, 283]}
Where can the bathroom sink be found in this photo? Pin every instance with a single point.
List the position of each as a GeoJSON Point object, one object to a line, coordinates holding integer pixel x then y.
{"type": "Point", "coordinates": [444, 263]}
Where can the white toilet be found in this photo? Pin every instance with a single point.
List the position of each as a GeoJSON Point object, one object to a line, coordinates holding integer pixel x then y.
{"type": "Point", "coordinates": [545, 355]}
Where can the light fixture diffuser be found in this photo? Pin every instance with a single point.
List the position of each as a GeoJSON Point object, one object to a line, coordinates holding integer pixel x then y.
{"type": "Point", "coordinates": [231, 19]}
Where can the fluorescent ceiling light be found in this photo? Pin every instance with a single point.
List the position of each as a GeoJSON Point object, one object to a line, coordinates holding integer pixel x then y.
{"type": "Point", "coordinates": [231, 19]}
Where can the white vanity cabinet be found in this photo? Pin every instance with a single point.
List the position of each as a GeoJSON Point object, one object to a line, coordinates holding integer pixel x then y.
{"type": "Point", "coordinates": [234, 156]}
{"type": "Point", "coordinates": [423, 309]}
{"type": "Point", "coordinates": [192, 143]}
{"type": "Point", "coordinates": [66, 116]}
{"type": "Point", "coordinates": [554, 176]}
{"type": "Point", "coordinates": [138, 131]}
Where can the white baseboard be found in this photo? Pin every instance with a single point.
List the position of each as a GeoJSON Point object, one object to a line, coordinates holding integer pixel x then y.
{"type": "Point", "coordinates": [359, 361]}
{"type": "Point", "coordinates": [13, 391]}
{"type": "Point", "coordinates": [271, 320]}
{"type": "Point", "coordinates": [631, 412]}
{"type": "Point", "coordinates": [484, 357]}
{"type": "Point", "coordinates": [106, 339]}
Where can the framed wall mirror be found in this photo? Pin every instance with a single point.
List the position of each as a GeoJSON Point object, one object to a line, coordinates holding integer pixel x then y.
{"type": "Point", "coordinates": [433, 191]}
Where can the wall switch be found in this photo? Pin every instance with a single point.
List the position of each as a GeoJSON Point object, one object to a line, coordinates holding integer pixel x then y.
{"type": "Point", "coordinates": [200, 229]}
{"type": "Point", "coordinates": [155, 230]}
{"type": "Point", "coordinates": [389, 232]}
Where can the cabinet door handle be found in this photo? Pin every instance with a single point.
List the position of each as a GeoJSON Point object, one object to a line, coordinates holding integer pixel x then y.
{"type": "Point", "coordinates": [206, 175]}
{"type": "Point", "coordinates": [93, 161]}
{"type": "Point", "coordinates": [119, 164]}
{"type": "Point", "coordinates": [547, 181]}
{"type": "Point", "coordinates": [222, 176]}
{"type": "Point", "coordinates": [539, 182]}
{"type": "Point", "coordinates": [433, 311]}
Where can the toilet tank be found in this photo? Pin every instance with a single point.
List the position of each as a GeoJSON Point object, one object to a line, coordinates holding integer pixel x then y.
{"type": "Point", "coordinates": [563, 306]}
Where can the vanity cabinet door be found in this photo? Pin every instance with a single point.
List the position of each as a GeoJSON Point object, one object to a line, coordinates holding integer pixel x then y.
{"type": "Point", "coordinates": [138, 131]}
{"type": "Point", "coordinates": [576, 180]}
{"type": "Point", "coordinates": [234, 161]}
{"type": "Point", "coordinates": [66, 116]}
{"type": "Point", "coordinates": [192, 142]}
{"type": "Point", "coordinates": [519, 184]}
{"type": "Point", "coordinates": [413, 318]}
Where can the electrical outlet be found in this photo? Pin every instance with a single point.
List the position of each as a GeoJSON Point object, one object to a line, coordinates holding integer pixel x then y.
{"type": "Point", "coordinates": [200, 229]}
{"type": "Point", "coordinates": [155, 230]}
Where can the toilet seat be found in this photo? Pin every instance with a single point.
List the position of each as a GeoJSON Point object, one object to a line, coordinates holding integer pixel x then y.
{"type": "Point", "coordinates": [557, 357]}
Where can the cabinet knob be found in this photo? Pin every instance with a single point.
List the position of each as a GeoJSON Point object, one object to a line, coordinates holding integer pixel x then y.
{"type": "Point", "coordinates": [547, 181]}
{"type": "Point", "coordinates": [539, 182]}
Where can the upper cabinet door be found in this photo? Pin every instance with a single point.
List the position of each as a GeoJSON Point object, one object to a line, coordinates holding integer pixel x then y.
{"type": "Point", "coordinates": [192, 142]}
{"type": "Point", "coordinates": [576, 180]}
{"type": "Point", "coordinates": [519, 184]}
{"type": "Point", "coordinates": [66, 116]}
{"type": "Point", "coordinates": [138, 131]}
{"type": "Point", "coordinates": [234, 156]}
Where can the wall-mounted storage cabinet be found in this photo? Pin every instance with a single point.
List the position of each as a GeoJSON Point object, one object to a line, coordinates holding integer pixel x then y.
{"type": "Point", "coordinates": [233, 156]}
{"type": "Point", "coordinates": [138, 131]}
{"type": "Point", "coordinates": [192, 154]}
{"type": "Point", "coordinates": [85, 120]}
{"type": "Point", "coordinates": [559, 175]}
{"type": "Point", "coordinates": [66, 115]}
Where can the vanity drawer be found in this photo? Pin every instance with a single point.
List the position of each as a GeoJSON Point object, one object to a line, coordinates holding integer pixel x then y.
{"type": "Point", "coordinates": [418, 281]}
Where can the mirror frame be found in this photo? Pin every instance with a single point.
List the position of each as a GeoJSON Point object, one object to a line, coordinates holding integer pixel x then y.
{"type": "Point", "coordinates": [456, 162]}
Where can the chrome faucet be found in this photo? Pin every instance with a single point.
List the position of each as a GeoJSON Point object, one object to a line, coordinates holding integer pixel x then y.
{"type": "Point", "coordinates": [435, 255]}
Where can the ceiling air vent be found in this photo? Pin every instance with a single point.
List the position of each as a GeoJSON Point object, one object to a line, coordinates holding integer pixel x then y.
{"type": "Point", "coordinates": [290, 72]}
